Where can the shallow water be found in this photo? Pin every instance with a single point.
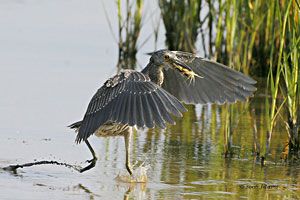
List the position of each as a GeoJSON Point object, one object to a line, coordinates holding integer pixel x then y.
{"type": "Point", "coordinates": [54, 55]}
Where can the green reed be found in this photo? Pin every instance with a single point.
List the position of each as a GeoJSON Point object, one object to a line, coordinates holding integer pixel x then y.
{"type": "Point", "coordinates": [284, 87]}
{"type": "Point", "coordinates": [240, 28]}
{"type": "Point", "coordinates": [262, 38]}
{"type": "Point", "coordinates": [182, 22]}
{"type": "Point", "coordinates": [291, 76]}
{"type": "Point", "coordinates": [129, 23]}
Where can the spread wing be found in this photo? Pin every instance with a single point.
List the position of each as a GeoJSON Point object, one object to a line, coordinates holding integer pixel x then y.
{"type": "Point", "coordinates": [217, 83]}
{"type": "Point", "coordinates": [129, 98]}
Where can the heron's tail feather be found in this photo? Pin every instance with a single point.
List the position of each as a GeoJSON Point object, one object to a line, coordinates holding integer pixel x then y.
{"type": "Point", "coordinates": [75, 125]}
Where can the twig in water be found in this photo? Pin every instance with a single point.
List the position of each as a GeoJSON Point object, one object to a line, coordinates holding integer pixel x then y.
{"type": "Point", "coordinates": [13, 168]}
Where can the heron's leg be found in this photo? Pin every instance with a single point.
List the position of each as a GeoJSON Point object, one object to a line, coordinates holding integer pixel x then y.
{"type": "Point", "coordinates": [92, 151]}
{"type": "Point", "coordinates": [92, 161]}
{"type": "Point", "coordinates": [127, 137]}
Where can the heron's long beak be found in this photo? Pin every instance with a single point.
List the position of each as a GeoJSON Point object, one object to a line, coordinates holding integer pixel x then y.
{"type": "Point", "coordinates": [184, 69]}
{"type": "Point", "coordinates": [181, 65]}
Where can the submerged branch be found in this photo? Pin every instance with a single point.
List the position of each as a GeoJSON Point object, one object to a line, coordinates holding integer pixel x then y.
{"type": "Point", "coordinates": [13, 168]}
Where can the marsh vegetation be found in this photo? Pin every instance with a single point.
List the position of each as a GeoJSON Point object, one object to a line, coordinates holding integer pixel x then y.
{"type": "Point", "coordinates": [259, 38]}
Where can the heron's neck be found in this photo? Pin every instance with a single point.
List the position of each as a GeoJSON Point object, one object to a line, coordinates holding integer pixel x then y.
{"type": "Point", "coordinates": [154, 72]}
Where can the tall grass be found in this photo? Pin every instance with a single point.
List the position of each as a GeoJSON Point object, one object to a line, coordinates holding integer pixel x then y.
{"type": "Point", "coordinates": [291, 75]}
{"type": "Point", "coordinates": [273, 83]}
{"type": "Point", "coordinates": [182, 22]}
{"type": "Point", "coordinates": [259, 38]}
{"type": "Point", "coordinates": [130, 23]}
{"type": "Point", "coordinates": [240, 34]}
{"type": "Point", "coordinates": [285, 83]}
{"type": "Point", "coordinates": [262, 38]}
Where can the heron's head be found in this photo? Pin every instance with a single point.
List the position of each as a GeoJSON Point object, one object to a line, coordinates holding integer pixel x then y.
{"type": "Point", "coordinates": [175, 60]}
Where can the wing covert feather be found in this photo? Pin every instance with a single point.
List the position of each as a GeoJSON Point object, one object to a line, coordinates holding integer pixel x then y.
{"type": "Point", "coordinates": [129, 98]}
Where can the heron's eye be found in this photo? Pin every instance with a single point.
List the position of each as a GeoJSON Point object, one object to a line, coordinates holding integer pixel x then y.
{"type": "Point", "coordinates": [166, 57]}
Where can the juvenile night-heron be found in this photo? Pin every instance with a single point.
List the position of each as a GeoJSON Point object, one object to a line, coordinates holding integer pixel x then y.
{"type": "Point", "coordinates": [149, 98]}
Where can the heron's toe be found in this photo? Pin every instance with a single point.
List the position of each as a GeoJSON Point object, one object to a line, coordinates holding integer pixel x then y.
{"type": "Point", "coordinates": [93, 160]}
